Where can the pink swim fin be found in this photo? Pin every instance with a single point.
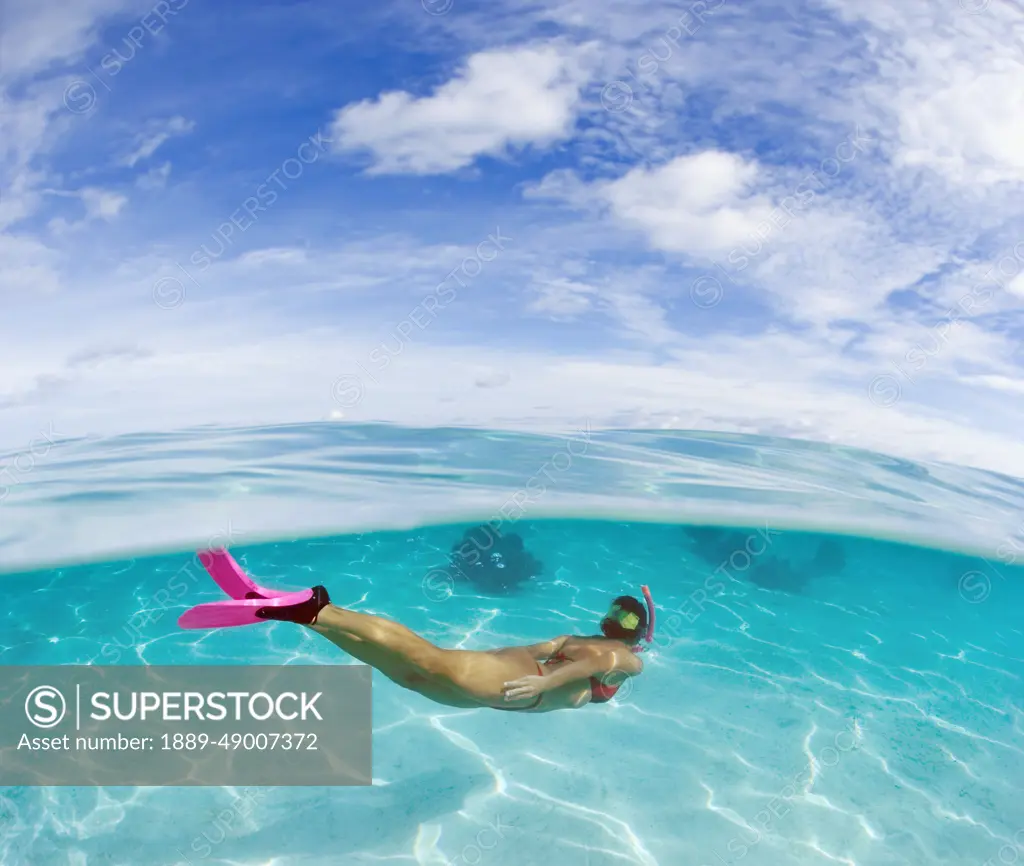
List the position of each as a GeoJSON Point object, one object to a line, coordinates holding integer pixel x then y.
{"type": "Point", "coordinates": [229, 576]}
{"type": "Point", "coordinates": [249, 603]}
{"type": "Point", "coordinates": [239, 611]}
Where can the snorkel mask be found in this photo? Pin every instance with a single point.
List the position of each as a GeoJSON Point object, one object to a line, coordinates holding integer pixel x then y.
{"type": "Point", "coordinates": [628, 620]}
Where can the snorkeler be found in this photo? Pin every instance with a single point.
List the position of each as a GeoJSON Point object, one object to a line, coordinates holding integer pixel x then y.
{"type": "Point", "coordinates": [564, 673]}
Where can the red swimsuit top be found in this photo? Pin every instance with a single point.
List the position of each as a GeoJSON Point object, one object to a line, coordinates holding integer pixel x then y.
{"type": "Point", "coordinates": [600, 692]}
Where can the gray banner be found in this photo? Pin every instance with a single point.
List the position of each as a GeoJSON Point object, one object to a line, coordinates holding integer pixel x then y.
{"type": "Point", "coordinates": [189, 725]}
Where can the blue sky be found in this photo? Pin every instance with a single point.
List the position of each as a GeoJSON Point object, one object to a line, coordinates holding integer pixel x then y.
{"type": "Point", "coordinates": [799, 218]}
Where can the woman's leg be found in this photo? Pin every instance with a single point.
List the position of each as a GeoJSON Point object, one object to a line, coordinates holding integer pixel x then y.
{"type": "Point", "coordinates": [396, 651]}
{"type": "Point", "coordinates": [458, 678]}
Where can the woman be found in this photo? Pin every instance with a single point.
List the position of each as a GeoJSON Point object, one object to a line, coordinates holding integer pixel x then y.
{"type": "Point", "coordinates": [565, 673]}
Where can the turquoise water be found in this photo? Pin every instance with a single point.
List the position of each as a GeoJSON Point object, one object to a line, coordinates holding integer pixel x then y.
{"type": "Point", "coordinates": [816, 695]}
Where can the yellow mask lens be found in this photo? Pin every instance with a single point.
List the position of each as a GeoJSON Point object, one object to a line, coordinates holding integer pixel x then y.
{"type": "Point", "coordinates": [629, 620]}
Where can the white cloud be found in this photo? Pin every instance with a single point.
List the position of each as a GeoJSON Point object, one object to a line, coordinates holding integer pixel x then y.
{"type": "Point", "coordinates": [814, 253]}
{"type": "Point", "coordinates": [488, 378]}
{"type": "Point", "coordinates": [700, 204]}
{"type": "Point", "coordinates": [101, 203]}
{"type": "Point", "coordinates": [27, 267]}
{"type": "Point", "coordinates": [562, 184]}
{"type": "Point", "coordinates": [272, 256]}
{"type": "Point", "coordinates": [642, 317]}
{"type": "Point", "coordinates": [155, 178]}
{"type": "Point", "coordinates": [949, 83]}
{"type": "Point", "coordinates": [41, 33]}
{"type": "Point", "coordinates": [94, 357]}
{"type": "Point", "coordinates": [1016, 285]}
{"type": "Point", "coordinates": [30, 125]}
{"type": "Point", "coordinates": [999, 383]}
{"type": "Point", "coordinates": [36, 40]}
{"type": "Point", "coordinates": [157, 133]}
{"type": "Point", "coordinates": [561, 298]}
{"type": "Point", "coordinates": [500, 100]}
{"type": "Point", "coordinates": [971, 130]}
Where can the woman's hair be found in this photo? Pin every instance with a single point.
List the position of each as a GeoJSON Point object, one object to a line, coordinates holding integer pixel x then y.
{"type": "Point", "coordinates": [613, 629]}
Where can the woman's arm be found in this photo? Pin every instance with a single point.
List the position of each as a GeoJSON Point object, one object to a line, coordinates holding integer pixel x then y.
{"type": "Point", "coordinates": [616, 661]}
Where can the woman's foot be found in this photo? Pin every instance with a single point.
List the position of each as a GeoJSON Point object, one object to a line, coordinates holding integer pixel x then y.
{"type": "Point", "coordinates": [303, 613]}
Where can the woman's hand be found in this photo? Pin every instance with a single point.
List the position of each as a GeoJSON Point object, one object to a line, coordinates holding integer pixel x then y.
{"type": "Point", "coordinates": [525, 687]}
